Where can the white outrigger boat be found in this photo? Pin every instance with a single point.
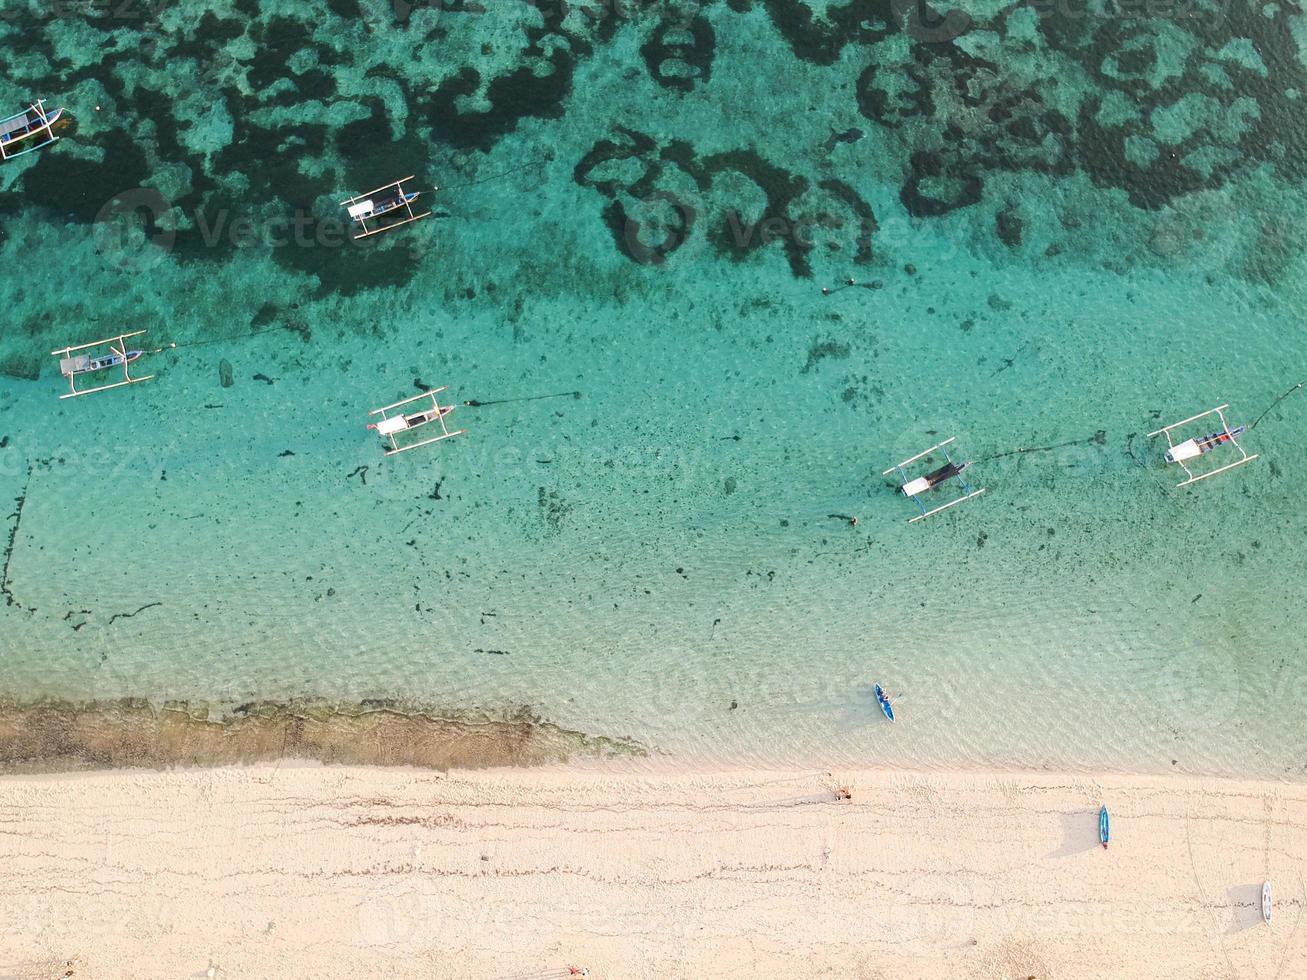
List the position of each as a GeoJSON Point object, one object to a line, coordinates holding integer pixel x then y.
{"type": "Point", "coordinates": [1182, 452]}
{"type": "Point", "coordinates": [375, 205]}
{"type": "Point", "coordinates": [28, 130]}
{"type": "Point", "coordinates": [915, 488]}
{"type": "Point", "coordinates": [391, 426]}
{"type": "Point", "coordinates": [73, 365]}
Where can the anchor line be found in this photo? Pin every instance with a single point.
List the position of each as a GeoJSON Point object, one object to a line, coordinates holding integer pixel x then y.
{"type": "Point", "coordinates": [1274, 403]}
{"type": "Point", "coordinates": [473, 403]}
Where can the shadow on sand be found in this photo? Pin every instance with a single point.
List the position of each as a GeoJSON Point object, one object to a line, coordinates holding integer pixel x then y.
{"type": "Point", "coordinates": [1245, 904]}
{"type": "Point", "coordinates": [1079, 833]}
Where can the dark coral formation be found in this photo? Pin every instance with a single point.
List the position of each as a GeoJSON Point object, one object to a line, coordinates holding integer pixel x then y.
{"type": "Point", "coordinates": [1159, 107]}
{"type": "Point", "coordinates": [642, 178]}
{"type": "Point", "coordinates": [679, 55]}
{"type": "Point", "coordinates": [1149, 123]}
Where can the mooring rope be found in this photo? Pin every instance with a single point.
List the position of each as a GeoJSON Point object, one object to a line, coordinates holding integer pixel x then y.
{"type": "Point", "coordinates": [473, 403]}
{"type": "Point", "coordinates": [1274, 403]}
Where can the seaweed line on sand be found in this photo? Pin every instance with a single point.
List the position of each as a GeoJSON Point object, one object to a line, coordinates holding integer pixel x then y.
{"type": "Point", "coordinates": [55, 735]}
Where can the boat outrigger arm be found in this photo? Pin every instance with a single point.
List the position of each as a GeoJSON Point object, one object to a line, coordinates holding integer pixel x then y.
{"type": "Point", "coordinates": [1199, 445]}
{"type": "Point", "coordinates": [73, 365]}
{"type": "Point", "coordinates": [914, 488]}
{"type": "Point", "coordinates": [375, 204]}
{"type": "Point", "coordinates": [393, 424]}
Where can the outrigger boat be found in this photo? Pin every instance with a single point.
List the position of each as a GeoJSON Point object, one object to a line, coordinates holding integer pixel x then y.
{"type": "Point", "coordinates": [391, 426]}
{"type": "Point", "coordinates": [73, 367]}
{"type": "Point", "coordinates": [29, 130]}
{"type": "Point", "coordinates": [375, 205]}
{"type": "Point", "coordinates": [949, 471]}
{"type": "Point", "coordinates": [1181, 452]}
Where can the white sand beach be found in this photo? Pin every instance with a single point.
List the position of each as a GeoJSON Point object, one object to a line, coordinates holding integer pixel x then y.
{"type": "Point", "coordinates": [525, 873]}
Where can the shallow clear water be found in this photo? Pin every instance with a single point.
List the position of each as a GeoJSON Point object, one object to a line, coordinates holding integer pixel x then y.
{"type": "Point", "coordinates": [1050, 266]}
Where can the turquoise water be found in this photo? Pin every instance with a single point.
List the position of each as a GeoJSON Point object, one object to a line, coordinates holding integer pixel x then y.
{"type": "Point", "coordinates": [1066, 229]}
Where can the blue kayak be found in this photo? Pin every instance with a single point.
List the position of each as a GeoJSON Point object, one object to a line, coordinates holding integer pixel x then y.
{"type": "Point", "coordinates": [884, 703]}
{"type": "Point", "coordinates": [1104, 830]}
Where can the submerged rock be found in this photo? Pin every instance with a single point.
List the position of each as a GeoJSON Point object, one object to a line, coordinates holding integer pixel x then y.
{"type": "Point", "coordinates": [1010, 227]}
{"type": "Point", "coordinates": [848, 136]}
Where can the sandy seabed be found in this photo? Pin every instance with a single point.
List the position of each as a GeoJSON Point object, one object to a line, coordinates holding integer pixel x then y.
{"type": "Point", "coordinates": [646, 872]}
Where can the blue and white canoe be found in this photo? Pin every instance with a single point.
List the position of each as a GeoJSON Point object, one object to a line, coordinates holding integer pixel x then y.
{"type": "Point", "coordinates": [1104, 827]}
{"type": "Point", "coordinates": [883, 700]}
{"type": "Point", "coordinates": [28, 130]}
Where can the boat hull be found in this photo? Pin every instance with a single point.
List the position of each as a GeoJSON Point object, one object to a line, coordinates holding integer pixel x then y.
{"type": "Point", "coordinates": [1104, 827]}
{"type": "Point", "coordinates": [74, 366]}
{"type": "Point", "coordinates": [1196, 447]}
{"type": "Point", "coordinates": [17, 143]}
